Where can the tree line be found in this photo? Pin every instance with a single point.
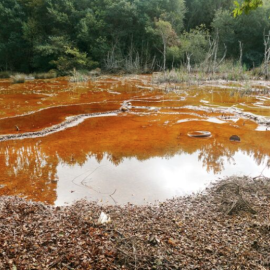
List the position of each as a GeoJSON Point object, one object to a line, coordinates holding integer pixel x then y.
{"type": "Point", "coordinates": [129, 35]}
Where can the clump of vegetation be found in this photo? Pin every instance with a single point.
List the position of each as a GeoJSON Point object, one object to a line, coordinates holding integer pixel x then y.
{"type": "Point", "coordinates": [95, 72]}
{"type": "Point", "coordinates": [226, 72]}
{"type": "Point", "coordinates": [242, 91]}
{"type": "Point", "coordinates": [231, 71]}
{"type": "Point", "coordinates": [18, 78]}
{"type": "Point", "coordinates": [78, 76]}
{"type": "Point", "coordinates": [133, 63]}
{"type": "Point", "coordinates": [257, 72]}
{"type": "Point", "coordinates": [5, 74]}
{"type": "Point", "coordinates": [46, 75]}
{"type": "Point", "coordinates": [173, 76]}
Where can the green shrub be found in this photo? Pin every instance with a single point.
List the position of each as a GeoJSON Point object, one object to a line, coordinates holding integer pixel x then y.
{"type": "Point", "coordinates": [5, 74]}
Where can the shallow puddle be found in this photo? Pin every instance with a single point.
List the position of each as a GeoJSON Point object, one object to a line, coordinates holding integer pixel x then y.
{"type": "Point", "coordinates": [62, 141]}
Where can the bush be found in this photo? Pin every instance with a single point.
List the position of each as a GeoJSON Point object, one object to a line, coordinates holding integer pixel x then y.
{"type": "Point", "coordinates": [18, 78]}
{"type": "Point", "coordinates": [173, 76]}
{"type": "Point", "coordinates": [46, 75]}
{"type": "Point", "coordinates": [95, 72]}
{"type": "Point", "coordinates": [5, 74]}
{"type": "Point", "coordinates": [78, 76]}
{"type": "Point", "coordinates": [232, 72]}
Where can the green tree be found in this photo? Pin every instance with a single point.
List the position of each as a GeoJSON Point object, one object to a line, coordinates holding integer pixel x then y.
{"type": "Point", "coordinates": [64, 56]}
{"type": "Point", "coordinates": [249, 30]}
{"type": "Point", "coordinates": [194, 45]}
{"type": "Point", "coordinates": [203, 11]}
{"type": "Point", "coordinates": [246, 6]}
{"type": "Point", "coordinates": [164, 30]}
{"type": "Point", "coordinates": [12, 44]}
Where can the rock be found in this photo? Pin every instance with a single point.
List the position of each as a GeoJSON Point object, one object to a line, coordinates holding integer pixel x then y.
{"type": "Point", "coordinates": [124, 109]}
{"type": "Point", "coordinates": [235, 138]}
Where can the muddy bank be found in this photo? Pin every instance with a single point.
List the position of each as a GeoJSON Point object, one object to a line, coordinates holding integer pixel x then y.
{"type": "Point", "coordinates": [195, 232]}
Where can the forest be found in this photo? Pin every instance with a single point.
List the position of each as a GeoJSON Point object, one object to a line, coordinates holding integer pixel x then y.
{"type": "Point", "coordinates": [134, 36]}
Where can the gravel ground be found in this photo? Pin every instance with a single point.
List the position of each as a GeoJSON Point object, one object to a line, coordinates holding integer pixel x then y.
{"type": "Point", "coordinates": [225, 227]}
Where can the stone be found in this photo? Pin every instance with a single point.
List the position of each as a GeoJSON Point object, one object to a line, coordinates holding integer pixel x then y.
{"type": "Point", "coordinates": [235, 138]}
{"type": "Point", "coordinates": [124, 109]}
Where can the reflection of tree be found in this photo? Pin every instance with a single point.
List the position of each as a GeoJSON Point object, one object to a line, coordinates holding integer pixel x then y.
{"type": "Point", "coordinates": [114, 159]}
{"type": "Point", "coordinates": [98, 156]}
{"type": "Point", "coordinates": [258, 156]}
{"type": "Point", "coordinates": [213, 156]}
{"type": "Point", "coordinates": [27, 171]}
{"type": "Point", "coordinates": [29, 167]}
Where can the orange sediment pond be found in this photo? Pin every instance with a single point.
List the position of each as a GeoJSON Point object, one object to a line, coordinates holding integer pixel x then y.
{"type": "Point", "coordinates": [62, 141]}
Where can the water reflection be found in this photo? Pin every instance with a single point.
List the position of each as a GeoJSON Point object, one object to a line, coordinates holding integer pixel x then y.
{"type": "Point", "coordinates": [27, 171]}
{"type": "Point", "coordinates": [140, 163]}
{"type": "Point", "coordinates": [141, 182]}
{"type": "Point", "coordinates": [138, 157]}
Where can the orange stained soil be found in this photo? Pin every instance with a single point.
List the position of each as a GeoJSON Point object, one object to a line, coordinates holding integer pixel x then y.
{"type": "Point", "coordinates": [137, 156]}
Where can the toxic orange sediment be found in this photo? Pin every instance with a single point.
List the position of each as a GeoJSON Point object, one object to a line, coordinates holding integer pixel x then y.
{"type": "Point", "coordinates": [156, 126]}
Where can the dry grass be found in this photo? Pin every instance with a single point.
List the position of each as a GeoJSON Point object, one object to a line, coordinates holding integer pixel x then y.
{"type": "Point", "coordinates": [46, 75]}
{"type": "Point", "coordinates": [226, 71]}
{"type": "Point", "coordinates": [18, 78]}
{"type": "Point", "coordinates": [78, 76]}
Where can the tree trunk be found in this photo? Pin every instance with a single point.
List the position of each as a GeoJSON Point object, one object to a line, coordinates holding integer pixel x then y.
{"type": "Point", "coordinates": [164, 55]}
{"type": "Point", "coordinates": [188, 63]}
{"type": "Point", "coordinates": [241, 53]}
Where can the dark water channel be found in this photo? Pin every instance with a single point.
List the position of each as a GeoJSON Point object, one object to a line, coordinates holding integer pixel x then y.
{"type": "Point", "coordinates": [62, 141]}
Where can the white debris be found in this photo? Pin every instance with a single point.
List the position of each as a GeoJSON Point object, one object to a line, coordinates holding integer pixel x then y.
{"type": "Point", "coordinates": [103, 218]}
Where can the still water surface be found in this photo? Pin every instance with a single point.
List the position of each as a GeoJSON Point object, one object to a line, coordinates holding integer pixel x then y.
{"type": "Point", "coordinates": [77, 144]}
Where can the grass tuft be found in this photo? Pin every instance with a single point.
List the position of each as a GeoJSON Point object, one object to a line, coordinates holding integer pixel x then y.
{"type": "Point", "coordinates": [5, 74]}
{"type": "Point", "coordinates": [46, 75]}
{"type": "Point", "coordinates": [78, 76]}
{"type": "Point", "coordinates": [226, 71]}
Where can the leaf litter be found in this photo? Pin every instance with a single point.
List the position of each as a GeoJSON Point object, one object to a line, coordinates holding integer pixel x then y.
{"type": "Point", "coordinates": [225, 227]}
